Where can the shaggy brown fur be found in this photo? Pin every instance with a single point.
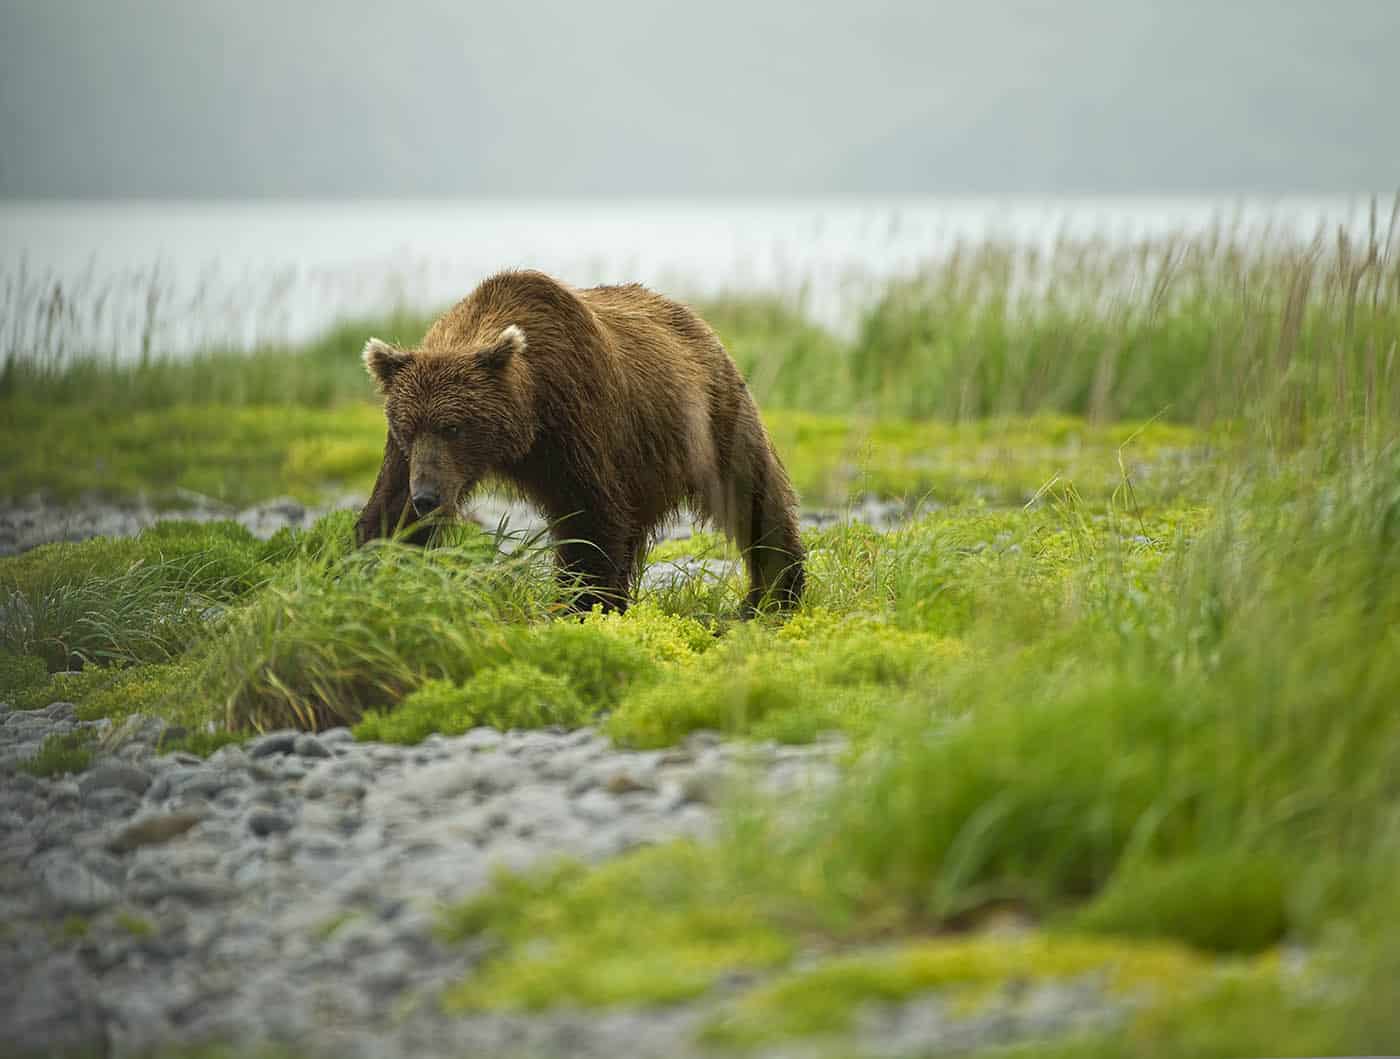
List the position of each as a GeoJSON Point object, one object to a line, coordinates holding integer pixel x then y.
{"type": "Point", "coordinates": [607, 407]}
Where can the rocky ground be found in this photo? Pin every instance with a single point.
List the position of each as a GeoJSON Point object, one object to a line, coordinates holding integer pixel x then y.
{"type": "Point", "coordinates": [286, 892]}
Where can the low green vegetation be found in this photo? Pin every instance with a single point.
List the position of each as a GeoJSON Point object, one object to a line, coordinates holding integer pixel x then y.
{"type": "Point", "coordinates": [825, 999]}
{"type": "Point", "coordinates": [659, 926]}
{"type": "Point", "coordinates": [62, 754]}
{"type": "Point", "coordinates": [1126, 675]}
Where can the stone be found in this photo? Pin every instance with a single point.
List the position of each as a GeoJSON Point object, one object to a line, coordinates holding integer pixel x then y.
{"type": "Point", "coordinates": [597, 807]}
{"type": "Point", "coordinates": [61, 711]}
{"type": "Point", "coordinates": [624, 781]}
{"type": "Point", "coordinates": [307, 745]}
{"type": "Point", "coordinates": [279, 742]}
{"type": "Point", "coordinates": [72, 885]}
{"type": "Point", "coordinates": [112, 802]}
{"type": "Point", "coordinates": [702, 739]}
{"type": "Point", "coordinates": [265, 822]}
{"type": "Point", "coordinates": [704, 784]}
{"type": "Point", "coordinates": [114, 774]}
{"type": "Point", "coordinates": [481, 738]}
{"type": "Point", "coordinates": [28, 724]}
{"type": "Point", "coordinates": [196, 888]}
{"type": "Point", "coordinates": [199, 782]}
{"type": "Point", "coordinates": [53, 1009]}
{"type": "Point", "coordinates": [229, 756]}
{"type": "Point", "coordinates": [154, 829]}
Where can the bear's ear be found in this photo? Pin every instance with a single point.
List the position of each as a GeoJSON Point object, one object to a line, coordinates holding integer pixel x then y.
{"type": "Point", "coordinates": [510, 343]}
{"type": "Point", "coordinates": [383, 362]}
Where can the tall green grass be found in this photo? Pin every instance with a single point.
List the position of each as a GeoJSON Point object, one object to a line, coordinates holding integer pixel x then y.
{"type": "Point", "coordinates": [1198, 329]}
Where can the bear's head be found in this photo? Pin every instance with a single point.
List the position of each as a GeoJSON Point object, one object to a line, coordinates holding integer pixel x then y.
{"type": "Point", "coordinates": [456, 416]}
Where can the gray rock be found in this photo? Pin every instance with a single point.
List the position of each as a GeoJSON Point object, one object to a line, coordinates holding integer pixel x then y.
{"type": "Point", "coordinates": [265, 822]}
{"type": "Point", "coordinates": [28, 724]}
{"type": "Point", "coordinates": [111, 802]}
{"type": "Point", "coordinates": [195, 888]}
{"type": "Point", "coordinates": [53, 1009]}
{"type": "Point", "coordinates": [61, 711]}
{"type": "Point", "coordinates": [307, 745]}
{"type": "Point", "coordinates": [597, 807]}
{"type": "Point", "coordinates": [293, 769]}
{"type": "Point", "coordinates": [109, 774]}
{"type": "Point", "coordinates": [481, 738]}
{"type": "Point", "coordinates": [337, 736]}
{"type": "Point", "coordinates": [704, 784]}
{"type": "Point", "coordinates": [64, 795]}
{"type": "Point", "coordinates": [202, 782]}
{"type": "Point", "coordinates": [229, 756]}
{"type": "Point", "coordinates": [279, 742]}
{"type": "Point", "coordinates": [346, 776]}
{"type": "Point", "coordinates": [154, 829]}
{"type": "Point", "coordinates": [72, 885]}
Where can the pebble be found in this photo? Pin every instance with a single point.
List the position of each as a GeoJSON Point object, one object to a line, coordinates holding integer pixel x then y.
{"type": "Point", "coordinates": [72, 885]}
{"type": "Point", "coordinates": [114, 774]}
{"type": "Point", "coordinates": [281, 742]}
{"type": "Point", "coordinates": [307, 745]}
{"type": "Point", "coordinates": [154, 829]}
{"type": "Point", "coordinates": [265, 822]}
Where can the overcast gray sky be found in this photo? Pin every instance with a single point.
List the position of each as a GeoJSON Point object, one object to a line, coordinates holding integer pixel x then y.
{"type": "Point", "coordinates": [214, 98]}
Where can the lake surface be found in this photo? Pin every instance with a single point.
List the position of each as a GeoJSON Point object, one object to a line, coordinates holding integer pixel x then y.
{"type": "Point", "coordinates": [167, 277]}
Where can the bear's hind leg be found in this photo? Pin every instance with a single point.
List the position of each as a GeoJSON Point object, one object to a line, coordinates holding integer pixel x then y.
{"type": "Point", "coordinates": [766, 531]}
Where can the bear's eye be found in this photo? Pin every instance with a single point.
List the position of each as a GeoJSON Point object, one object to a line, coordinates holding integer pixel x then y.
{"type": "Point", "coordinates": [451, 432]}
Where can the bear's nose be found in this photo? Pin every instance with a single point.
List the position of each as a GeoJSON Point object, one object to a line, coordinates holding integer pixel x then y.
{"type": "Point", "coordinates": [425, 502]}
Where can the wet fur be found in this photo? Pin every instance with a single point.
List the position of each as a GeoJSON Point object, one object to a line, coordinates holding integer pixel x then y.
{"type": "Point", "coordinates": [608, 408]}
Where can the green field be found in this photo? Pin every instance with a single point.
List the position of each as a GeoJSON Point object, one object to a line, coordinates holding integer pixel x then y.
{"type": "Point", "coordinates": [1131, 673]}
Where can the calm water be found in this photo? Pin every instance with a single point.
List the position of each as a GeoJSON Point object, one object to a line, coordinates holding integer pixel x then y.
{"type": "Point", "coordinates": [171, 277]}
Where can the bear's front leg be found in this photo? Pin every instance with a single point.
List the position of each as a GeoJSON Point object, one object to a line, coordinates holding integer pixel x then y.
{"type": "Point", "coordinates": [592, 561]}
{"type": "Point", "coordinates": [389, 509]}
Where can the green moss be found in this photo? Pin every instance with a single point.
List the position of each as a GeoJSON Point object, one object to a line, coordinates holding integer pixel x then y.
{"type": "Point", "coordinates": [62, 754]}
{"type": "Point", "coordinates": [232, 453]}
{"type": "Point", "coordinates": [326, 930]}
{"type": "Point", "coordinates": [74, 928]}
{"type": "Point", "coordinates": [20, 676]}
{"type": "Point", "coordinates": [1001, 461]}
{"type": "Point", "coordinates": [1230, 902]}
{"type": "Point", "coordinates": [598, 664]}
{"type": "Point", "coordinates": [825, 998]}
{"type": "Point", "coordinates": [820, 672]}
{"type": "Point", "coordinates": [166, 690]}
{"type": "Point", "coordinates": [513, 695]}
{"type": "Point", "coordinates": [135, 925]}
{"type": "Point", "coordinates": [169, 691]}
{"type": "Point", "coordinates": [644, 929]}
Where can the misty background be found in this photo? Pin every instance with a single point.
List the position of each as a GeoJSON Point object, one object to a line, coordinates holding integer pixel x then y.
{"type": "Point", "coordinates": [174, 99]}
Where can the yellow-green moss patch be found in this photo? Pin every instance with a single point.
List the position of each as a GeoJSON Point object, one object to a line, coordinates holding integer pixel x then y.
{"type": "Point", "coordinates": [658, 926]}
{"type": "Point", "coordinates": [825, 998]}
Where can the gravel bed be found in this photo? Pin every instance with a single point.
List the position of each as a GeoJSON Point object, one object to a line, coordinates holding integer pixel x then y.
{"type": "Point", "coordinates": [286, 891]}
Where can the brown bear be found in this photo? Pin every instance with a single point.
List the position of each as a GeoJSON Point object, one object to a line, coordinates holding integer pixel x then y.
{"type": "Point", "coordinates": [607, 407]}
